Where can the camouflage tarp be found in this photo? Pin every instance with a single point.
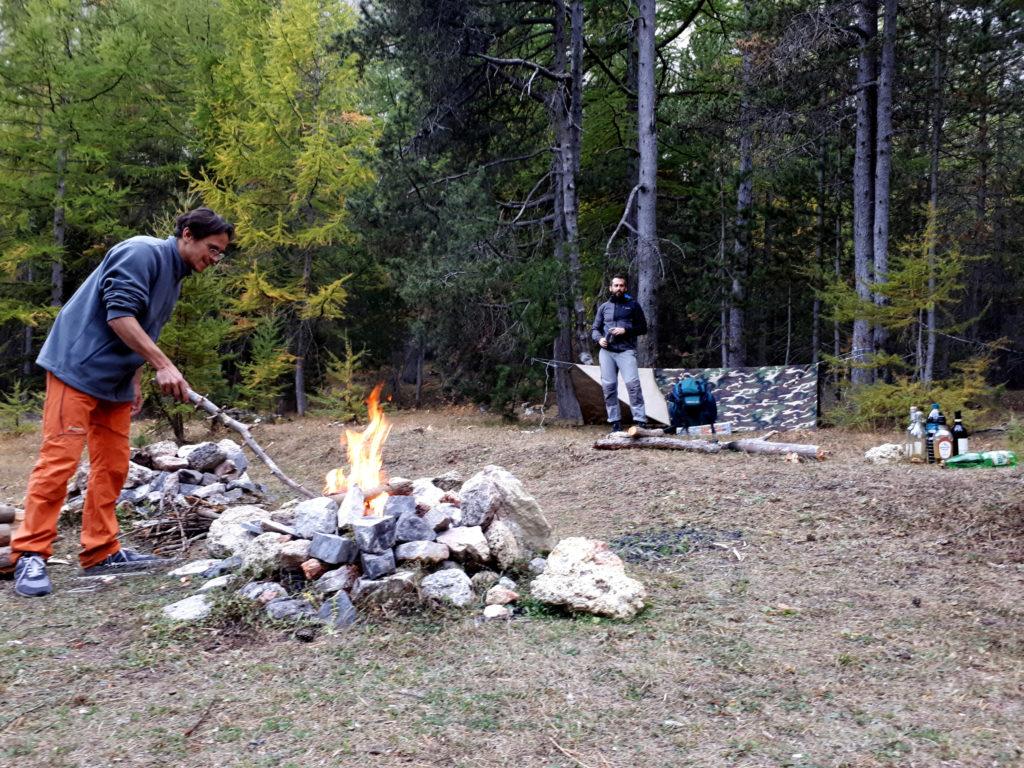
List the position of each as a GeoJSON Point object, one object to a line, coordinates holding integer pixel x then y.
{"type": "Point", "coordinates": [770, 397]}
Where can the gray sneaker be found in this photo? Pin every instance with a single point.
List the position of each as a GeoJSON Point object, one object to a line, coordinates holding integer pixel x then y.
{"type": "Point", "coordinates": [30, 579]}
{"type": "Point", "coordinates": [125, 560]}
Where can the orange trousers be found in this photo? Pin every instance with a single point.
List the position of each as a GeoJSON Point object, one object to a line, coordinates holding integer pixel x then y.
{"type": "Point", "coordinates": [72, 419]}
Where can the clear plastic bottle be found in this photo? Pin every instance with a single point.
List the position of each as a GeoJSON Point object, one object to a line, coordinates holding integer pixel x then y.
{"type": "Point", "coordinates": [908, 448]}
{"type": "Point", "coordinates": [917, 436]}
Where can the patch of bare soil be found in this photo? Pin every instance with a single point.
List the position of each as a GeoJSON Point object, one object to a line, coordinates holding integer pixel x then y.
{"type": "Point", "coordinates": [814, 614]}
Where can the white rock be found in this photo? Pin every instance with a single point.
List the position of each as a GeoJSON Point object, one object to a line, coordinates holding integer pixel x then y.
{"type": "Point", "coordinates": [438, 518]}
{"type": "Point", "coordinates": [193, 568]}
{"type": "Point", "coordinates": [293, 554]}
{"type": "Point", "coordinates": [185, 450]}
{"type": "Point", "coordinates": [538, 565]}
{"type": "Point", "coordinates": [351, 508]}
{"type": "Point", "coordinates": [263, 552]}
{"type": "Point", "coordinates": [452, 585]}
{"type": "Point", "coordinates": [887, 453]}
{"type": "Point", "coordinates": [226, 537]}
{"type": "Point", "coordinates": [263, 592]}
{"type": "Point", "coordinates": [191, 608]}
{"type": "Point", "coordinates": [218, 582]}
{"type": "Point", "coordinates": [495, 494]}
{"type": "Point", "coordinates": [497, 612]}
{"type": "Point", "coordinates": [503, 544]}
{"type": "Point", "coordinates": [206, 491]}
{"type": "Point", "coordinates": [466, 543]}
{"type": "Point", "coordinates": [585, 575]}
{"type": "Point", "coordinates": [161, 448]}
{"type": "Point", "coordinates": [426, 493]}
{"type": "Point", "coordinates": [507, 583]}
{"type": "Point", "coordinates": [234, 453]}
{"type": "Point", "coordinates": [169, 463]}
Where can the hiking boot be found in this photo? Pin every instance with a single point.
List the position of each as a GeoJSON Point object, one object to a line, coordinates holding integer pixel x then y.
{"type": "Point", "coordinates": [616, 427]}
{"type": "Point", "coordinates": [30, 579]}
{"type": "Point", "coordinates": [644, 424]}
{"type": "Point", "coordinates": [125, 560]}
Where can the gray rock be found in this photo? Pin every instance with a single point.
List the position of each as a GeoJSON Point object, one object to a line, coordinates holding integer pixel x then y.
{"type": "Point", "coordinates": [451, 586]}
{"type": "Point", "coordinates": [342, 579]}
{"type": "Point", "coordinates": [193, 608]}
{"type": "Point", "coordinates": [315, 516]}
{"type": "Point", "coordinates": [538, 565]}
{"type": "Point", "coordinates": [448, 564]}
{"type": "Point", "coordinates": [338, 611]}
{"type": "Point", "coordinates": [220, 567]}
{"type": "Point", "coordinates": [411, 527]}
{"type": "Point", "coordinates": [333, 550]}
{"type": "Point", "coordinates": [289, 609]}
{"type": "Point", "coordinates": [234, 453]}
{"type": "Point", "coordinates": [426, 493]}
{"type": "Point", "coordinates": [190, 477]}
{"type": "Point", "coordinates": [421, 552]}
{"type": "Point", "coordinates": [226, 470]}
{"type": "Point", "coordinates": [397, 506]}
{"type": "Point", "coordinates": [483, 580]}
{"type": "Point", "coordinates": [205, 456]}
{"type": "Point", "coordinates": [157, 483]}
{"type": "Point", "coordinates": [438, 518]}
{"type": "Point", "coordinates": [263, 591]}
{"type": "Point", "coordinates": [187, 489]}
{"type": "Point", "coordinates": [377, 566]}
{"type": "Point", "coordinates": [137, 475]}
{"type": "Point", "coordinates": [467, 544]}
{"type": "Point", "coordinates": [375, 535]}
{"type": "Point", "coordinates": [209, 478]}
{"type": "Point", "coordinates": [449, 481]}
{"type": "Point", "coordinates": [207, 491]}
{"type": "Point", "coordinates": [400, 585]}
{"type": "Point", "coordinates": [230, 497]}
{"type": "Point", "coordinates": [495, 493]}
{"type": "Point", "coordinates": [507, 583]}
{"type": "Point", "coordinates": [193, 568]}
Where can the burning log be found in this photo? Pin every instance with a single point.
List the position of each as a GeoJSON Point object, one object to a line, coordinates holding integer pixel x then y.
{"type": "Point", "coordinates": [201, 402]}
{"type": "Point", "coordinates": [749, 445]}
{"type": "Point", "coordinates": [397, 486]}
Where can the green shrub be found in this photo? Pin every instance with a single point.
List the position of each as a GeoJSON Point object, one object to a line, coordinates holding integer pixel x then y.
{"type": "Point", "coordinates": [884, 405]}
{"type": "Point", "coordinates": [15, 408]}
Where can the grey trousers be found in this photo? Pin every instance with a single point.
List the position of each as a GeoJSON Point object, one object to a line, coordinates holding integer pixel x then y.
{"type": "Point", "coordinates": [612, 364]}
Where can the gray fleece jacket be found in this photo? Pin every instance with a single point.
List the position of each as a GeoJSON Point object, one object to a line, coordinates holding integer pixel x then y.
{"type": "Point", "coordinates": [139, 277]}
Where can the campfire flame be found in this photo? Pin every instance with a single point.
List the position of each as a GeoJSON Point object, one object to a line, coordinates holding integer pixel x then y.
{"type": "Point", "coordinates": [365, 457]}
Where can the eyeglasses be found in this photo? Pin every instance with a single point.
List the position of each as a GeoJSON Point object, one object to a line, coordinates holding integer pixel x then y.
{"type": "Point", "coordinates": [215, 253]}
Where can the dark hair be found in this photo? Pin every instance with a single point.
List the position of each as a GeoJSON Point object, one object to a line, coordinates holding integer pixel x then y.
{"type": "Point", "coordinates": [620, 276]}
{"type": "Point", "coordinates": [202, 222]}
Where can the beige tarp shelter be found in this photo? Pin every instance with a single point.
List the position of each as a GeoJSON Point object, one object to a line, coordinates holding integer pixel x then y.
{"type": "Point", "coordinates": [586, 380]}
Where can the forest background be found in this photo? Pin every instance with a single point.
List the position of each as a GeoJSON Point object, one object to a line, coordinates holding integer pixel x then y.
{"type": "Point", "coordinates": [448, 185]}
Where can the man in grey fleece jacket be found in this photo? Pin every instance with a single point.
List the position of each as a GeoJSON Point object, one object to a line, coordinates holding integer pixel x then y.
{"type": "Point", "coordinates": [93, 357]}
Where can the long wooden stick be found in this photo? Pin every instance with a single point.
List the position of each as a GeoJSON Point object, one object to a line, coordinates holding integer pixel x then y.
{"type": "Point", "coordinates": [201, 402]}
{"type": "Point", "coordinates": [748, 445]}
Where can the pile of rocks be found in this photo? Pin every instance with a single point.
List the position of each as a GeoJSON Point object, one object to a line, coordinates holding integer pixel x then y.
{"type": "Point", "coordinates": [164, 476]}
{"type": "Point", "coordinates": [444, 541]}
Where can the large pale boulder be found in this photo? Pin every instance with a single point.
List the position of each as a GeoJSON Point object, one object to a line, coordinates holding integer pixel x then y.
{"type": "Point", "coordinates": [495, 494]}
{"type": "Point", "coordinates": [264, 552]}
{"type": "Point", "coordinates": [227, 535]}
{"type": "Point", "coordinates": [585, 575]}
{"type": "Point", "coordinates": [466, 544]}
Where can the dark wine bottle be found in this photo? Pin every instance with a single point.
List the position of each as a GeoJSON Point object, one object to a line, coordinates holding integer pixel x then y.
{"type": "Point", "coordinates": [960, 435]}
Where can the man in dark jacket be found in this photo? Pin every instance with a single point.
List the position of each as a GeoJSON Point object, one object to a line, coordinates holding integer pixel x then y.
{"type": "Point", "coordinates": [93, 357]}
{"type": "Point", "coordinates": [617, 324]}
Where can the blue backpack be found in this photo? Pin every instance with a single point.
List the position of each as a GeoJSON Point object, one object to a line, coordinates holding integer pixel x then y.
{"type": "Point", "coordinates": [691, 403]}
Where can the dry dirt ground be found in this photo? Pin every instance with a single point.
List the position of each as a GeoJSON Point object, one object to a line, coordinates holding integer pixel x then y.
{"type": "Point", "coordinates": [853, 616]}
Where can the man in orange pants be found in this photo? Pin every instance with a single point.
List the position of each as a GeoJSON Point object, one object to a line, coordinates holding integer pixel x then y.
{"type": "Point", "coordinates": [93, 357]}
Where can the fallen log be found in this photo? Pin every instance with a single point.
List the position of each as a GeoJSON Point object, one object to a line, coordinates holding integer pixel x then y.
{"type": "Point", "coordinates": [613, 443]}
{"type": "Point", "coordinates": [201, 402]}
{"type": "Point", "coordinates": [749, 445]}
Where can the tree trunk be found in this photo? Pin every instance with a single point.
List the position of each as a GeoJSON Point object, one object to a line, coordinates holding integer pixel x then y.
{"type": "Point", "coordinates": [863, 187]}
{"type": "Point", "coordinates": [724, 267]}
{"type": "Point", "coordinates": [928, 368]}
{"type": "Point", "coordinates": [59, 233]}
{"type": "Point", "coordinates": [819, 254]}
{"type": "Point", "coordinates": [883, 161]}
{"type": "Point", "coordinates": [744, 205]}
{"type": "Point", "coordinates": [648, 254]}
{"type": "Point", "coordinates": [301, 340]}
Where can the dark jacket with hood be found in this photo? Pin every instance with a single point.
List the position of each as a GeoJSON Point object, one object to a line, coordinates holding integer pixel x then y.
{"type": "Point", "coordinates": [140, 277]}
{"type": "Point", "coordinates": [617, 312]}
